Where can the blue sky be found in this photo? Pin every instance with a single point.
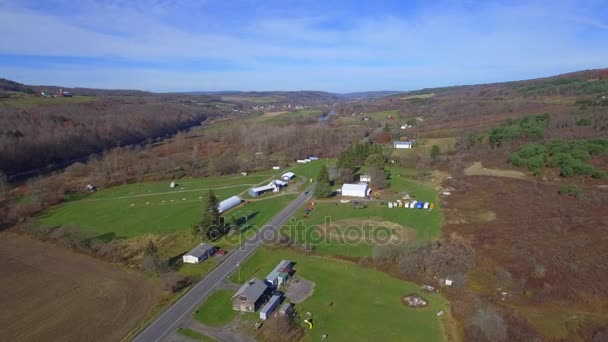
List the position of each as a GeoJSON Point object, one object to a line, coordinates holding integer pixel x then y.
{"type": "Point", "coordinates": [340, 46]}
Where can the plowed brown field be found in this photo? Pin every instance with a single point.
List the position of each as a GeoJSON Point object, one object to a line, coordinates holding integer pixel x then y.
{"type": "Point", "coordinates": [48, 293]}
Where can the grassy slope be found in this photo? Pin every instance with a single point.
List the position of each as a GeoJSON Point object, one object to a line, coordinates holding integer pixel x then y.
{"type": "Point", "coordinates": [366, 303]}
{"type": "Point", "coordinates": [290, 116]}
{"type": "Point", "coordinates": [383, 115]}
{"type": "Point", "coordinates": [111, 210]}
{"type": "Point", "coordinates": [217, 309]}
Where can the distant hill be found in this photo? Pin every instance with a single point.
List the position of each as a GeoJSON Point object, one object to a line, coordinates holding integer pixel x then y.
{"type": "Point", "coordinates": [584, 82]}
{"type": "Point", "coordinates": [12, 86]}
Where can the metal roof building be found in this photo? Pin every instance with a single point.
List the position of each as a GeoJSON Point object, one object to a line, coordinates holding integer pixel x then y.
{"type": "Point", "coordinates": [272, 304]}
{"type": "Point", "coordinates": [355, 190]}
{"type": "Point", "coordinates": [279, 274]}
{"type": "Point", "coordinates": [198, 254]}
{"type": "Point", "coordinates": [402, 144]}
{"type": "Point", "coordinates": [288, 175]}
{"type": "Point", "coordinates": [229, 203]}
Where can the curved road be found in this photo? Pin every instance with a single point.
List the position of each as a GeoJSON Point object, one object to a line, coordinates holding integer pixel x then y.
{"type": "Point", "coordinates": [166, 323]}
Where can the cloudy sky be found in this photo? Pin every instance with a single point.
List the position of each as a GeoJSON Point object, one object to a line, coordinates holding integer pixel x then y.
{"type": "Point", "coordinates": [340, 46]}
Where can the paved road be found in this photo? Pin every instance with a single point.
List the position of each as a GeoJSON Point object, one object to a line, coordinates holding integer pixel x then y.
{"type": "Point", "coordinates": [162, 327]}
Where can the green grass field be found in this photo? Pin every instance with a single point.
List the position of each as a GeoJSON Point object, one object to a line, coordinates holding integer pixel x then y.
{"type": "Point", "coordinates": [419, 224]}
{"type": "Point", "coordinates": [217, 309]}
{"type": "Point", "coordinates": [290, 117]}
{"type": "Point", "coordinates": [27, 101]}
{"type": "Point", "coordinates": [383, 115]}
{"type": "Point", "coordinates": [135, 209]}
{"type": "Point", "coordinates": [366, 303]}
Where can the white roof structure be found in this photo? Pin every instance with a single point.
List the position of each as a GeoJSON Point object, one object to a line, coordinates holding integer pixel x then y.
{"type": "Point", "coordinates": [355, 190]}
{"type": "Point", "coordinates": [263, 188]}
{"type": "Point", "coordinates": [288, 175]}
{"type": "Point", "coordinates": [278, 183]}
{"type": "Point", "coordinates": [229, 203]}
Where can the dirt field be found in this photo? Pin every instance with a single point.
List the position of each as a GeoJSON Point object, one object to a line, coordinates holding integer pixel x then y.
{"type": "Point", "coordinates": [275, 113]}
{"type": "Point", "coordinates": [51, 294]}
{"type": "Point", "coordinates": [477, 169]}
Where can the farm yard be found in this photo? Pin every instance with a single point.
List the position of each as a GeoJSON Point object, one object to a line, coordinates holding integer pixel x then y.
{"type": "Point", "coordinates": [349, 300]}
{"type": "Point", "coordinates": [334, 227]}
{"type": "Point", "coordinates": [46, 295]}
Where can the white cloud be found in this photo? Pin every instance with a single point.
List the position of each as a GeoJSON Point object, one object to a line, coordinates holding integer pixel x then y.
{"type": "Point", "coordinates": [452, 44]}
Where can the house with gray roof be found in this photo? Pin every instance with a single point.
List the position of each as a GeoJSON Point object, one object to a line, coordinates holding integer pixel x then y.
{"type": "Point", "coordinates": [199, 253]}
{"type": "Point", "coordinates": [250, 296]}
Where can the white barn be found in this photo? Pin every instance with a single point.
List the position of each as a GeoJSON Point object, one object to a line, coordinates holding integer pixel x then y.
{"type": "Point", "coordinates": [229, 203]}
{"type": "Point", "coordinates": [288, 175]}
{"type": "Point", "coordinates": [355, 190]}
{"type": "Point", "coordinates": [198, 254]}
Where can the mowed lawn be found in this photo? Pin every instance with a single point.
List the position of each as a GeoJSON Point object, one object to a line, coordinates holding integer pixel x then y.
{"type": "Point", "coordinates": [426, 224]}
{"type": "Point", "coordinates": [217, 309]}
{"type": "Point", "coordinates": [366, 303]}
{"type": "Point", "coordinates": [135, 209]}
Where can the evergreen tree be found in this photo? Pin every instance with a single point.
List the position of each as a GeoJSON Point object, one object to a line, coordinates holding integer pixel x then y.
{"type": "Point", "coordinates": [210, 226]}
{"type": "Point", "coordinates": [435, 152]}
{"type": "Point", "coordinates": [323, 186]}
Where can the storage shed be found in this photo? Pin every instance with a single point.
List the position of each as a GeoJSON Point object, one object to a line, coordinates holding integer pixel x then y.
{"type": "Point", "coordinates": [255, 192]}
{"type": "Point", "coordinates": [280, 274]}
{"type": "Point", "coordinates": [269, 308]}
{"type": "Point", "coordinates": [355, 190]}
{"type": "Point", "coordinates": [198, 254]}
{"type": "Point", "coordinates": [229, 203]}
{"type": "Point", "coordinates": [402, 144]}
{"type": "Point", "coordinates": [365, 178]}
{"type": "Point", "coordinates": [286, 309]}
{"type": "Point", "coordinates": [288, 175]}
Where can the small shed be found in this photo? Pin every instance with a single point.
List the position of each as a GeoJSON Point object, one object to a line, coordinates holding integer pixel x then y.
{"type": "Point", "coordinates": [402, 144]}
{"type": "Point", "coordinates": [355, 190]}
{"type": "Point", "coordinates": [286, 309]}
{"type": "Point", "coordinates": [198, 254]}
{"type": "Point", "coordinates": [313, 158]}
{"type": "Point", "coordinates": [276, 167]}
{"type": "Point", "coordinates": [269, 308]}
{"type": "Point", "coordinates": [280, 274]}
{"type": "Point", "coordinates": [288, 176]}
{"type": "Point", "coordinates": [229, 203]}
{"type": "Point", "coordinates": [172, 185]}
{"type": "Point", "coordinates": [365, 178]}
